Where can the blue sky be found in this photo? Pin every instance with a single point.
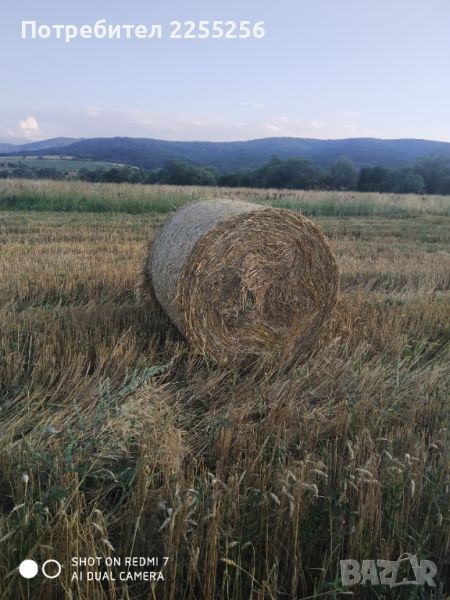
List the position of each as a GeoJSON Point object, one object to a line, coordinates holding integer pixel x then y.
{"type": "Point", "coordinates": [325, 69]}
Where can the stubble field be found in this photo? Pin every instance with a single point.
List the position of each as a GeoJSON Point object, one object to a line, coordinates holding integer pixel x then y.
{"type": "Point", "coordinates": [115, 441]}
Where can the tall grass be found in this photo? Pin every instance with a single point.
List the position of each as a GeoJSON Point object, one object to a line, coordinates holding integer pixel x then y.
{"type": "Point", "coordinates": [56, 196]}
{"type": "Point", "coordinates": [64, 196]}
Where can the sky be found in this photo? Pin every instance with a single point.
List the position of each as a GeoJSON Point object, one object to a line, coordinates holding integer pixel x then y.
{"type": "Point", "coordinates": [325, 69]}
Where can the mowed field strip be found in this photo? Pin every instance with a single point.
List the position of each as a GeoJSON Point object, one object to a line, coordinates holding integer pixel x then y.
{"type": "Point", "coordinates": [115, 441]}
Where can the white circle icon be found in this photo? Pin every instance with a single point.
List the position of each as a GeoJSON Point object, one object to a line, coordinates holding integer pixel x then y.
{"type": "Point", "coordinates": [58, 568]}
{"type": "Point", "coordinates": [28, 569]}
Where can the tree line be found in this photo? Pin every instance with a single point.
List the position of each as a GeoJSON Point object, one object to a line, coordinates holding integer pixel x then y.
{"type": "Point", "coordinates": [429, 175]}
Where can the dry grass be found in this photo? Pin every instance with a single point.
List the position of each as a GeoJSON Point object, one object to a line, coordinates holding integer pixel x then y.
{"type": "Point", "coordinates": [116, 442]}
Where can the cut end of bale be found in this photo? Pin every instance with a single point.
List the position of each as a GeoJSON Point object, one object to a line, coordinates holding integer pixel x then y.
{"type": "Point", "coordinates": [244, 281]}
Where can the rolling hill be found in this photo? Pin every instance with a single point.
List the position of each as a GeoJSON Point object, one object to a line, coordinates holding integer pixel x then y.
{"type": "Point", "coordinates": [10, 148]}
{"type": "Point", "coordinates": [151, 153]}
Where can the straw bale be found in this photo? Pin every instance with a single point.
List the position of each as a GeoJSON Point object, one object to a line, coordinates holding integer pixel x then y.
{"type": "Point", "coordinates": [243, 281]}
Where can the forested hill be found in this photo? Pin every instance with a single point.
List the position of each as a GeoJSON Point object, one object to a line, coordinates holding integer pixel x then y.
{"type": "Point", "coordinates": [151, 153]}
{"type": "Point", "coordinates": [34, 147]}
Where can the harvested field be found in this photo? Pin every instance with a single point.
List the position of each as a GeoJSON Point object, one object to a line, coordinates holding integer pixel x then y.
{"type": "Point", "coordinates": [116, 441]}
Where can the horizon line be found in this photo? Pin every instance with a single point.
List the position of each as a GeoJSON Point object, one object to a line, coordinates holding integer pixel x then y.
{"type": "Point", "coordinates": [196, 141]}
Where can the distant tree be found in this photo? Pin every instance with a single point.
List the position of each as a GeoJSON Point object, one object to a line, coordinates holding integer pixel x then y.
{"type": "Point", "coordinates": [430, 174]}
{"type": "Point", "coordinates": [92, 175]}
{"type": "Point", "coordinates": [404, 181]}
{"type": "Point", "coordinates": [50, 173]}
{"type": "Point", "coordinates": [132, 175]}
{"type": "Point", "coordinates": [113, 175]}
{"type": "Point", "coordinates": [435, 170]}
{"type": "Point", "coordinates": [293, 173]}
{"type": "Point", "coordinates": [372, 179]}
{"type": "Point", "coordinates": [271, 174]}
{"type": "Point", "coordinates": [302, 174]}
{"type": "Point", "coordinates": [444, 186]}
{"type": "Point", "coordinates": [246, 178]}
{"type": "Point", "coordinates": [344, 174]}
{"type": "Point", "coordinates": [177, 172]}
{"type": "Point", "coordinates": [230, 179]}
{"type": "Point", "coordinates": [84, 174]}
{"type": "Point", "coordinates": [152, 176]}
{"type": "Point", "coordinates": [213, 173]}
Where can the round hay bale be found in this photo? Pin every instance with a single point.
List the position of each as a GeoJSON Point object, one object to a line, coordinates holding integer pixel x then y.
{"type": "Point", "coordinates": [243, 281]}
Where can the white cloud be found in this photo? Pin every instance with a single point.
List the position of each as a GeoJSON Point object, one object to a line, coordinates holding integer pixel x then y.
{"type": "Point", "coordinates": [272, 127]}
{"type": "Point", "coordinates": [92, 111]}
{"type": "Point", "coordinates": [350, 113]}
{"type": "Point", "coordinates": [253, 104]}
{"type": "Point", "coordinates": [317, 124]}
{"type": "Point", "coordinates": [30, 128]}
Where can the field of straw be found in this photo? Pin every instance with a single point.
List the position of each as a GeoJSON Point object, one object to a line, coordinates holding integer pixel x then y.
{"type": "Point", "coordinates": [116, 442]}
